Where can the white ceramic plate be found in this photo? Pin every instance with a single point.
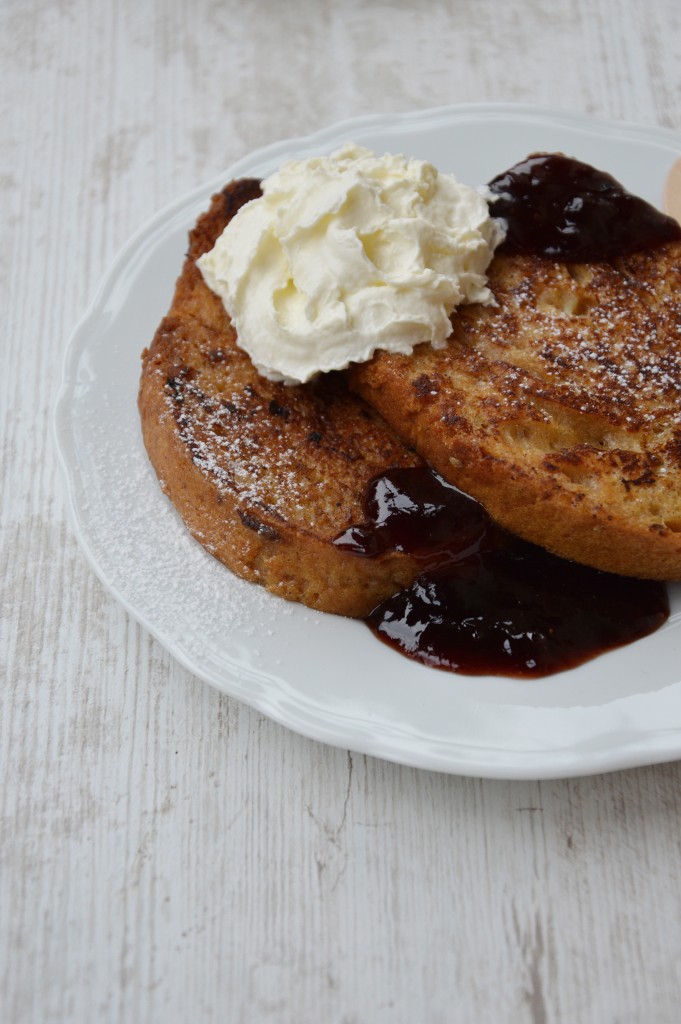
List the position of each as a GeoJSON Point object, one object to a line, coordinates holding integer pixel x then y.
{"type": "Point", "coordinates": [324, 676]}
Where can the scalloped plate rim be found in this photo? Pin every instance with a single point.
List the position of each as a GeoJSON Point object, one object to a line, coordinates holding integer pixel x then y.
{"type": "Point", "coordinates": [415, 750]}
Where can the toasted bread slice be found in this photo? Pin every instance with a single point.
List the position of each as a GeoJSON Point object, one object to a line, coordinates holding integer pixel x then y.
{"type": "Point", "coordinates": [560, 409]}
{"type": "Point", "coordinates": [264, 475]}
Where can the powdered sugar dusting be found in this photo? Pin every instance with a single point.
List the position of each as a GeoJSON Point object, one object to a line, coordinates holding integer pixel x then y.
{"type": "Point", "coordinates": [600, 340]}
{"type": "Point", "coordinates": [129, 512]}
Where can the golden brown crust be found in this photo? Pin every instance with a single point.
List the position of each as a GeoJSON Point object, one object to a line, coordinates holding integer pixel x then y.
{"type": "Point", "coordinates": [560, 409]}
{"type": "Point", "coordinates": [264, 475]}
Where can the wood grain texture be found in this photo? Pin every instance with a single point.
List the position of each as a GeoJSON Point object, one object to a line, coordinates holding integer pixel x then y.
{"type": "Point", "coordinates": [167, 854]}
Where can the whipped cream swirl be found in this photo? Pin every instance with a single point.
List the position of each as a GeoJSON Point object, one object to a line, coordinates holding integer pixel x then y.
{"type": "Point", "coordinates": [349, 253]}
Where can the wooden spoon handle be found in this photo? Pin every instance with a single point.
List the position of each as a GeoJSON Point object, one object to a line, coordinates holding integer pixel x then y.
{"type": "Point", "coordinates": [672, 191]}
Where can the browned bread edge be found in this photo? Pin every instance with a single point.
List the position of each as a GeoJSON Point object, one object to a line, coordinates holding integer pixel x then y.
{"type": "Point", "coordinates": [323, 432]}
{"type": "Point", "coordinates": [560, 409]}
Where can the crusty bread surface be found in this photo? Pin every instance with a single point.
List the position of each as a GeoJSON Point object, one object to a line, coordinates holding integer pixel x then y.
{"type": "Point", "coordinates": [559, 408]}
{"type": "Point", "coordinates": [264, 475]}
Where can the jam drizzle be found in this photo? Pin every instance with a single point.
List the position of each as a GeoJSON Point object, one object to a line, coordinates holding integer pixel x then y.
{"type": "Point", "coordinates": [487, 602]}
{"type": "Point", "coordinates": [562, 208]}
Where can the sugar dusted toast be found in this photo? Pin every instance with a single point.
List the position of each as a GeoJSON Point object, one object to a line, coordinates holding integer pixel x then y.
{"type": "Point", "coordinates": [263, 474]}
{"type": "Point", "coordinates": [560, 409]}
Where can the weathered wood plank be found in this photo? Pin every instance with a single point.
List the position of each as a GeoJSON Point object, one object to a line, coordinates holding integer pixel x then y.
{"type": "Point", "coordinates": [167, 854]}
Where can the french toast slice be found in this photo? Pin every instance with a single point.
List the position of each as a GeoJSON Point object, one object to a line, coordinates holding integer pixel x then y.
{"type": "Point", "coordinates": [560, 408]}
{"type": "Point", "coordinates": [264, 475]}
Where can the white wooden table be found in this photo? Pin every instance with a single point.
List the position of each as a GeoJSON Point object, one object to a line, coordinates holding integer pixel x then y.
{"type": "Point", "coordinates": [166, 853]}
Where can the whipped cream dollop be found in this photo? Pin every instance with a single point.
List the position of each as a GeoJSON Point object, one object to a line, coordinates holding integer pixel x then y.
{"type": "Point", "coordinates": [349, 253]}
